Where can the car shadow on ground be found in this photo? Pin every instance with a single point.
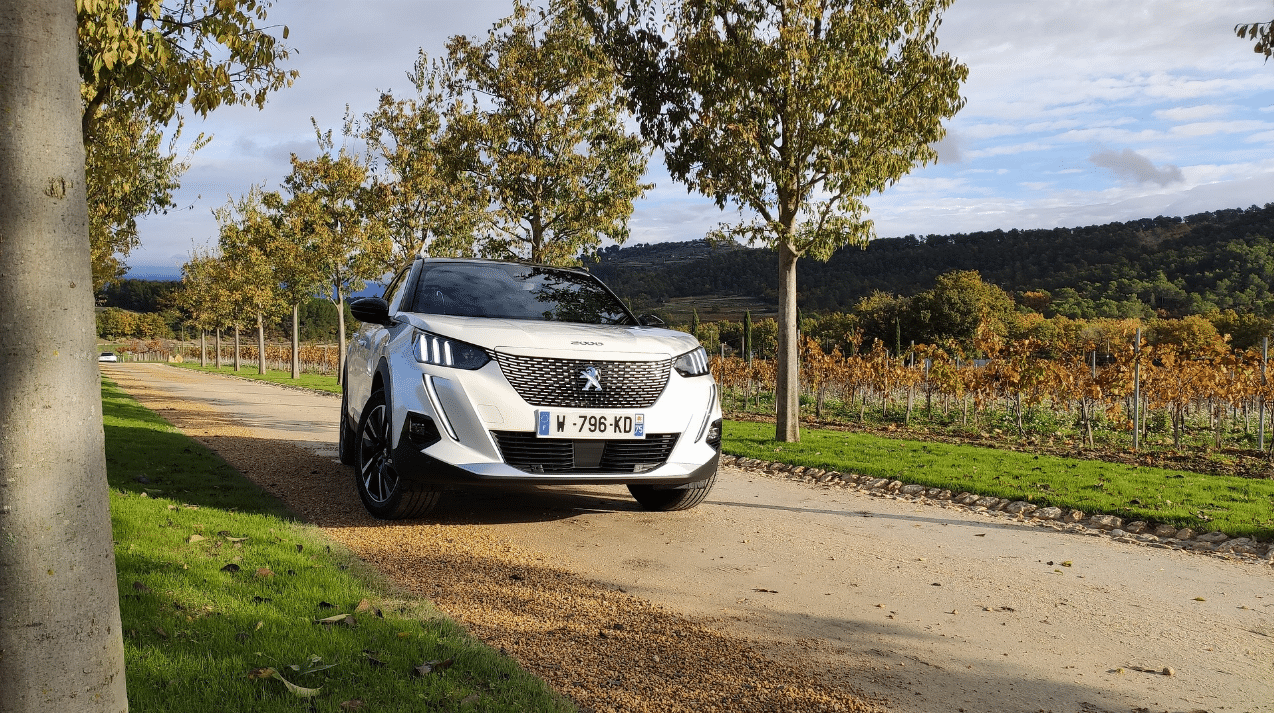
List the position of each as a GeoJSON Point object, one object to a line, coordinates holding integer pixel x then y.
{"type": "Point", "coordinates": [859, 512]}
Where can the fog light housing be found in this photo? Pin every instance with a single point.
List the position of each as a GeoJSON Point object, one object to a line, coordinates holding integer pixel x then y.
{"type": "Point", "coordinates": [714, 435]}
{"type": "Point", "coordinates": [421, 430]}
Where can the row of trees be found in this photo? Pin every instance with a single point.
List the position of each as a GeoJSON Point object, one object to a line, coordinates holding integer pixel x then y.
{"type": "Point", "coordinates": [511, 148]}
{"type": "Point", "coordinates": [1165, 266]}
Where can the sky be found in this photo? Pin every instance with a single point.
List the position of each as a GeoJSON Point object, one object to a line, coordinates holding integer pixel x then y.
{"type": "Point", "coordinates": [1079, 112]}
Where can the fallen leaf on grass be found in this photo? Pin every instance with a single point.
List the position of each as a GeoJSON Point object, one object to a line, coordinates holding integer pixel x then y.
{"type": "Point", "coordinates": [326, 605]}
{"type": "Point", "coordinates": [352, 705]}
{"type": "Point", "coordinates": [160, 630]}
{"type": "Point", "coordinates": [194, 538]}
{"type": "Point", "coordinates": [346, 619]}
{"type": "Point", "coordinates": [264, 572]}
{"type": "Point", "coordinates": [232, 567]}
{"type": "Point", "coordinates": [140, 587]}
{"type": "Point", "coordinates": [471, 698]}
{"type": "Point", "coordinates": [294, 689]}
{"type": "Point", "coordinates": [363, 606]}
{"type": "Point", "coordinates": [429, 667]}
{"type": "Point", "coordinates": [236, 539]}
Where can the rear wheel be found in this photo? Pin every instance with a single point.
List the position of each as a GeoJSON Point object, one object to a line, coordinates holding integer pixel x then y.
{"type": "Point", "coordinates": [384, 493]}
{"type": "Point", "coordinates": [650, 497]}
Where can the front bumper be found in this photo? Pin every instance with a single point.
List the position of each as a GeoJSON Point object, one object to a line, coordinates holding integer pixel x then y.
{"type": "Point", "coordinates": [456, 428]}
{"type": "Point", "coordinates": [419, 468]}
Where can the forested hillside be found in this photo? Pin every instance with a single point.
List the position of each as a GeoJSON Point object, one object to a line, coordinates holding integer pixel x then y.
{"type": "Point", "coordinates": [1168, 266]}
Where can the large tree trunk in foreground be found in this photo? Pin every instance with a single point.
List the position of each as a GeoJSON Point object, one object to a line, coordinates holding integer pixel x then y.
{"type": "Point", "coordinates": [787, 389]}
{"type": "Point", "coordinates": [60, 643]}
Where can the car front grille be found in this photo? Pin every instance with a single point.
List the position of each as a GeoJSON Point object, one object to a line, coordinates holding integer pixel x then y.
{"type": "Point", "coordinates": [561, 382]}
{"type": "Point", "coordinates": [526, 452]}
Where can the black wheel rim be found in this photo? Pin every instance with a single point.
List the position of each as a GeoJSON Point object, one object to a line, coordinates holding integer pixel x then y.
{"type": "Point", "coordinates": [374, 470]}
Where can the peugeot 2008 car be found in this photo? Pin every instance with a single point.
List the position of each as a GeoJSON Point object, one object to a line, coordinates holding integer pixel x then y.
{"type": "Point", "coordinates": [471, 372]}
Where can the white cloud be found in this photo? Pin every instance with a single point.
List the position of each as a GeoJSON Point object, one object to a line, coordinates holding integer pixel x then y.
{"type": "Point", "coordinates": [1192, 113]}
{"type": "Point", "coordinates": [1132, 166]}
{"type": "Point", "coordinates": [1208, 128]}
{"type": "Point", "coordinates": [1010, 149]}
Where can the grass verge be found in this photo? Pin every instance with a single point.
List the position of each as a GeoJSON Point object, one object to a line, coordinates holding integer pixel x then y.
{"type": "Point", "coordinates": [223, 594]}
{"type": "Point", "coordinates": [318, 382]}
{"type": "Point", "coordinates": [1234, 505]}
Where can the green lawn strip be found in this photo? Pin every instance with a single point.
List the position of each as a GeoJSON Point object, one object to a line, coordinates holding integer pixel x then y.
{"type": "Point", "coordinates": [217, 581]}
{"type": "Point", "coordinates": [318, 382]}
{"type": "Point", "coordinates": [1236, 506]}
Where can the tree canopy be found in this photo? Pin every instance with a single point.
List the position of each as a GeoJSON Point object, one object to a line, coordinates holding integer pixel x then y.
{"type": "Point", "coordinates": [537, 114]}
{"type": "Point", "coordinates": [1261, 34]}
{"type": "Point", "coordinates": [791, 110]}
{"type": "Point", "coordinates": [155, 56]}
{"type": "Point", "coordinates": [140, 61]}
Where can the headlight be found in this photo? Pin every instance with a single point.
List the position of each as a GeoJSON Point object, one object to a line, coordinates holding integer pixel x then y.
{"type": "Point", "coordinates": [441, 351]}
{"type": "Point", "coordinates": [693, 363]}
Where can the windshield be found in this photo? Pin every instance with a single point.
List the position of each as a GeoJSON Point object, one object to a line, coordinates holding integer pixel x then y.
{"type": "Point", "coordinates": [515, 292]}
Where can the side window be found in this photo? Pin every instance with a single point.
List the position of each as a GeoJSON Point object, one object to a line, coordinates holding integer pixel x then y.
{"type": "Point", "coordinates": [393, 293]}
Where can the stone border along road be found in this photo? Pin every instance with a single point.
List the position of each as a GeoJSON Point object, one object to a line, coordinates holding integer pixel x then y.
{"type": "Point", "coordinates": [1216, 543]}
{"type": "Point", "coordinates": [776, 593]}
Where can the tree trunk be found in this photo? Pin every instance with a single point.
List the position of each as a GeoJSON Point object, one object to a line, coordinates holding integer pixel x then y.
{"type": "Point", "coordinates": [260, 343]}
{"type": "Point", "coordinates": [296, 341]}
{"type": "Point", "coordinates": [203, 347]}
{"type": "Point", "coordinates": [236, 347]}
{"type": "Point", "coordinates": [340, 338]}
{"type": "Point", "coordinates": [61, 647]}
{"type": "Point", "coordinates": [787, 389]}
{"type": "Point", "coordinates": [217, 360]}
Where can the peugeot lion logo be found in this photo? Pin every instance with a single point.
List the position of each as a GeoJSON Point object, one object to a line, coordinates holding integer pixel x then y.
{"type": "Point", "coordinates": [592, 380]}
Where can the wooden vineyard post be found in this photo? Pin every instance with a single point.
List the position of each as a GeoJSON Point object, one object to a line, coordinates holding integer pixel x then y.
{"type": "Point", "coordinates": [1136, 393]}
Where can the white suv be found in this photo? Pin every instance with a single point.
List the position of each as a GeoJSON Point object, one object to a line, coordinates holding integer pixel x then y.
{"type": "Point", "coordinates": [474, 372]}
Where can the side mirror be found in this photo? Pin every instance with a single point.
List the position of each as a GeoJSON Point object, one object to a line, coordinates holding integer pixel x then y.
{"type": "Point", "coordinates": [370, 309]}
{"type": "Point", "coordinates": [650, 320]}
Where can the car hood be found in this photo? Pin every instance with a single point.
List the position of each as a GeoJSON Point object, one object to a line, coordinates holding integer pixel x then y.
{"type": "Point", "coordinates": [559, 339]}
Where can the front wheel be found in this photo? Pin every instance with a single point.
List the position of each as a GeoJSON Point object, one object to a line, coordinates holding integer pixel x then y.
{"type": "Point", "coordinates": [666, 500]}
{"type": "Point", "coordinates": [383, 492]}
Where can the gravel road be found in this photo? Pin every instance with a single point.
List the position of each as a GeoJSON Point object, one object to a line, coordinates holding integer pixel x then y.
{"type": "Point", "coordinates": [772, 595]}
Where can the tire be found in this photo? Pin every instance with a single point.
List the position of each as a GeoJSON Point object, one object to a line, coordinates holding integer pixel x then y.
{"type": "Point", "coordinates": [345, 445]}
{"type": "Point", "coordinates": [668, 500]}
{"type": "Point", "coordinates": [383, 492]}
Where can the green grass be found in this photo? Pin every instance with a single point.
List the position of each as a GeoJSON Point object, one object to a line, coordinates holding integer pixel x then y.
{"type": "Point", "coordinates": [1236, 506]}
{"type": "Point", "coordinates": [194, 632]}
{"type": "Point", "coordinates": [318, 382]}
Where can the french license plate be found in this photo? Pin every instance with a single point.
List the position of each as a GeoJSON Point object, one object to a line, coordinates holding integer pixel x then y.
{"type": "Point", "coordinates": [583, 424]}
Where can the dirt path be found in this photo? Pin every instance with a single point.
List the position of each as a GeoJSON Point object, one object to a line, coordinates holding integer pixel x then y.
{"type": "Point", "coordinates": [801, 597]}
